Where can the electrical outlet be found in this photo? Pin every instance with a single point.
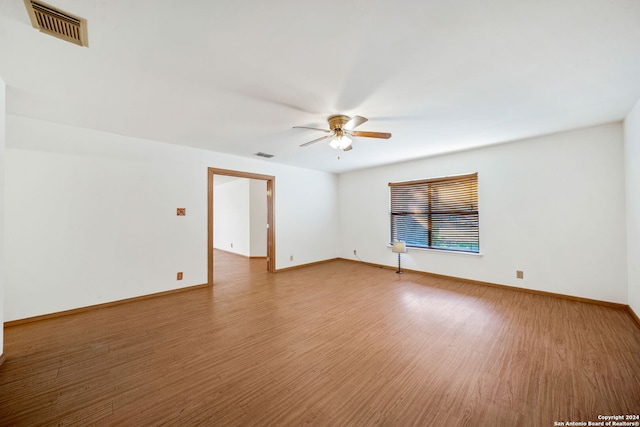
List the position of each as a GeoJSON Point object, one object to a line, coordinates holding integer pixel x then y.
{"type": "Point", "coordinates": [291, 258]}
{"type": "Point", "coordinates": [179, 275]}
{"type": "Point", "coordinates": [519, 274]}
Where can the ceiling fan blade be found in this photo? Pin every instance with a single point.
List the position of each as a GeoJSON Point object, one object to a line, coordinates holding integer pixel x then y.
{"type": "Point", "coordinates": [354, 122]}
{"type": "Point", "coordinates": [316, 140]}
{"type": "Point", "coordinates": [383, 135]}
{"type": "Point", "coordinates": [307, 127]}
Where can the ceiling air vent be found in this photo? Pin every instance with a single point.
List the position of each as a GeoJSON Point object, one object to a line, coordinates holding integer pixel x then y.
{"type": "Point", "coordinates": [57, 23]}
{"type": "Point", "coordinates": [261, 154]}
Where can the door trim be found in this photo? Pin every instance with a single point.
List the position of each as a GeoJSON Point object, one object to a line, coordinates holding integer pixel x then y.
{"type": "Point", "coordinates": [271, 230]}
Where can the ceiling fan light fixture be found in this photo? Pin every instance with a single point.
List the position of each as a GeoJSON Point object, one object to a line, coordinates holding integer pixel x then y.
{"type": "Point", "coordinates": [340, 142]}
{"type": "Point", "coordinates": [340, 129]}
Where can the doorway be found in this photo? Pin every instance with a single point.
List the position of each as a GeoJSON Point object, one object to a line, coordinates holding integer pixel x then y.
{"type": "Point", "coordinates": [270, 181]}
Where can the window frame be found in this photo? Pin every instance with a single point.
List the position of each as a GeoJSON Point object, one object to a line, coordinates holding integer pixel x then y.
{"type": "Point", "coordinates": [452, 225]}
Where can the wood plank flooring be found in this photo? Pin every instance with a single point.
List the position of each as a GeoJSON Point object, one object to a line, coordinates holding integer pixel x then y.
{"type": "Point", "coordinates": [332, 344]}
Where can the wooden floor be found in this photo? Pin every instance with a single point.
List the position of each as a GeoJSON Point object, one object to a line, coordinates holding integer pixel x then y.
{"type": "Point", "coordinates": [333, 344]}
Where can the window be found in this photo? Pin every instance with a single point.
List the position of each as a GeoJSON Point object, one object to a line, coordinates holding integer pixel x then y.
{"type": "Point", "coordinates": [439, 213]}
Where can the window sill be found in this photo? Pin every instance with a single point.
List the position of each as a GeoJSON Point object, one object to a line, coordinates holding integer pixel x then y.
{"type": "Point", "coordinates": [441, 251]}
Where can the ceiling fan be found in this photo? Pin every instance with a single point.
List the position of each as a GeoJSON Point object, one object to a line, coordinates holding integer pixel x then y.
{"type": "Point", "coordinates": [341, 129]}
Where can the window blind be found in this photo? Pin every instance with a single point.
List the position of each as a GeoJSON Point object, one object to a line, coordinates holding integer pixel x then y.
{"type": "Point", "coordinates": [438, 213]}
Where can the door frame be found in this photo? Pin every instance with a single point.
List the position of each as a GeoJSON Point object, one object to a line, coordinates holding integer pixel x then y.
{"type": "Point", "coordinates": [271, 229]}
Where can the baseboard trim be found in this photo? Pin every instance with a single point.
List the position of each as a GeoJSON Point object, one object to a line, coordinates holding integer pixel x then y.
{"type": "Point", "coordinates": [634, 315]}
{"type": "Point", "coordinates": [618, 306]}
{"type": "Point", "coordinates": [235, 253]}
{"type": "Point", "coordinates": [513, 288]}
{"type": "Point", "coordinates": [295, 267]}
{"type": "Point", "coordinates": [97, 306]}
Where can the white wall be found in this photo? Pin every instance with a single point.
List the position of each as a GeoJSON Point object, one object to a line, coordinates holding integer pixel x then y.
{"type": "Point", "coordinates": [240, 216]}
{"type": "Point", "coordinates": [2, 207]}
{"type": "Point", "coordinates": [91, 216]}
{"type": "Point", "coordinates": [552, 206]}
{"type": "Point", "coordinates": [258, 217]}
{"type": "Point", "coordinates": [310, 214]}
{"type": "Point", "coordinates": [632, 169]}
{"type": "Point", "coordinates": [231, 216]}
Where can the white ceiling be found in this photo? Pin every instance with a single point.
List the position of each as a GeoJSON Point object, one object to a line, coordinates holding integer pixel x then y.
{"type": "Point", "coordinates": [235, 76]}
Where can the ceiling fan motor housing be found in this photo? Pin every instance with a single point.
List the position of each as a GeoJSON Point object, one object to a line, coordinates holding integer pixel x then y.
{"type": "Point", "coordinates": [338, 121]}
